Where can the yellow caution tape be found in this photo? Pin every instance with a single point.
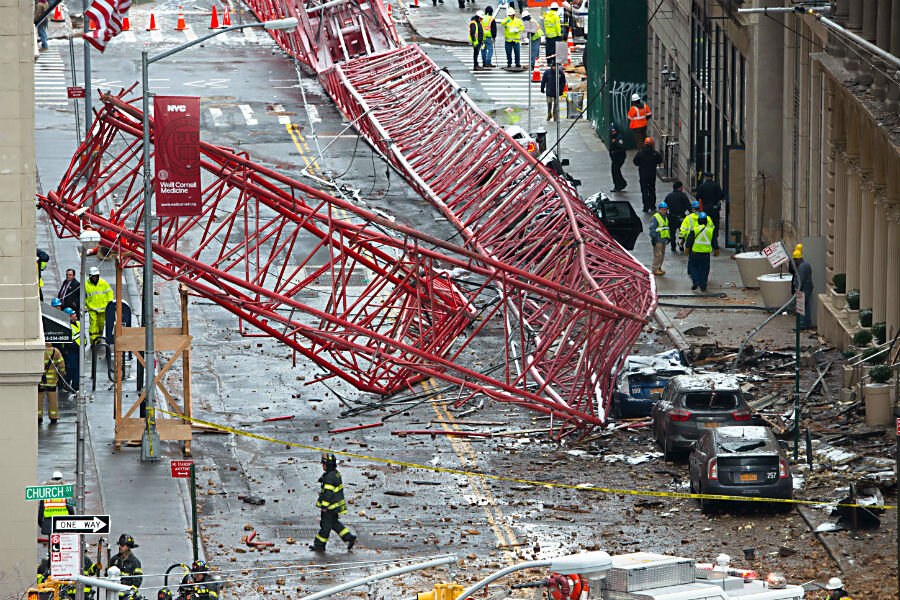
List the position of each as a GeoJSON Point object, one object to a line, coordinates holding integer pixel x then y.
{"type": "Point", "coordinates": [586, 488]}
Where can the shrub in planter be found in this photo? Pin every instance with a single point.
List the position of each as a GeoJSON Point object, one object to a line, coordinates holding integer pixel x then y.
{"type": "Point", "coordinates": [840, 282]}
{"type": "Point", "coordinates": [865, 317]}
{"type": "Point", "coordinates": [880, 374]}
{"type": "Point", "coordinates": [862, 338]}
{"type": "Point", "coordinates": [853, 299]}
{"type": "Point", "coordinates": [879, 331]}
{"type": "Point", "coordinates": [871, 352]}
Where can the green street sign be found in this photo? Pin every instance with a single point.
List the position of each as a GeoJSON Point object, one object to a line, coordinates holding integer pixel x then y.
{"type": "Point", "coordinates": [49, 492]}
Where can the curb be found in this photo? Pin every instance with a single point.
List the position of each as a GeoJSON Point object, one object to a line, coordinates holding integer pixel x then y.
{"type": "Point", "coordinates": [426, 38]}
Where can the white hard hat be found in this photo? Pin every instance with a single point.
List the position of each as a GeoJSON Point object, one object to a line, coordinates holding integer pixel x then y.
{"type": "Point", "coordinates": [510, 10]}
{"type": "Point", "coordinates": [554, 5]}
{"type": "Point", "coordinates": [635, 97]}
{"type": "Point", "coordinates": [56, 475]}
{"type": "Point", "coordinates": [834, 583]}
{"type": "Point", "coordinates": [94, 271]}
{"type": "Point", "coordinates": [525, 13]}
{"type": "Point", "coordinates": [480, 14]}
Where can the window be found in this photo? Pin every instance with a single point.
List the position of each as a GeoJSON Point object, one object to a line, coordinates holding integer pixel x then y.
{"type": "Point", "coordinates": [710, 400]}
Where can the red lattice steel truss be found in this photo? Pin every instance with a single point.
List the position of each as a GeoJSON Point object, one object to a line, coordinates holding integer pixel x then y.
{"type": "Point", "coordinates": [368, 300]}
{"type": "Point", "coordinates": [571, 300]}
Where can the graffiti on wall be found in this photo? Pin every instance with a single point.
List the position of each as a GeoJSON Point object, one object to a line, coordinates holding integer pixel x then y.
{"type": "Point", "coordinates": [620, 96]}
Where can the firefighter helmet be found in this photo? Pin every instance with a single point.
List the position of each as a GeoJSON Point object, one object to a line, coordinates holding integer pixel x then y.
{"type": "Point", "coordinates": [329, 460]}
{"type": "Point", "coordinates": [164, 594]}
{"type": "Point", "coordinates": [127, 540]}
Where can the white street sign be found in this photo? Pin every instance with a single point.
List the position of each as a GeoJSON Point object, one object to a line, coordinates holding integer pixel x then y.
{"type": "Point", "coordinates": [64, 550]}
{"type": "Point", "coordinates": [775, 254]}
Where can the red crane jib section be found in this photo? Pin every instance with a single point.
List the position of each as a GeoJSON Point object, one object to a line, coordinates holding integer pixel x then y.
{"type": "Point", "coordinates": [366, 299]}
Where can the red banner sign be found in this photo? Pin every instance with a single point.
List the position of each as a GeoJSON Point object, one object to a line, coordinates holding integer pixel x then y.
{"type": "Point", "coordinates": [75, 92]}
{"type": "Point", "coordinates": [177, 147]}
{"type": "Point", "coordinates": [181, 468]}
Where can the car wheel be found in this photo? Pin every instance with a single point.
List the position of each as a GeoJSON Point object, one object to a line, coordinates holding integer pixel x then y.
{"type": "Point", "coordinates": [667, 449]}
{"type": "Point", "coordinates": [706, 506]}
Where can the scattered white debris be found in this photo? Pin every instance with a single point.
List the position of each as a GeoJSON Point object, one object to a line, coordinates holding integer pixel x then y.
{"type": "Point", "coordinates": [827, 526]}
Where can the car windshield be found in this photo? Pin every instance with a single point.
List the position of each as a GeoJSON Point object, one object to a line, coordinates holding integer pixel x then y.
{"type": "Point", "coordinates": [710, 400]}
{"type": "Point", "coordinates": [741, 445]}
{"type": "Point", "coordinates": [616, 210]}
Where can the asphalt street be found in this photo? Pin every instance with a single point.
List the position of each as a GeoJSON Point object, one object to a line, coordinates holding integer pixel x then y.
{"type": "Point", "coordinates": [251, 101]}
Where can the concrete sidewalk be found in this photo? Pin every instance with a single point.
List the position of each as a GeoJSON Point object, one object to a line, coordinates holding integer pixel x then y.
{"type": "Point", "coordinates": [142, 500]}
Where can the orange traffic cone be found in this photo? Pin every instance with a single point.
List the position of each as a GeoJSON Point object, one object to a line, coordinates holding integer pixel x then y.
{"type": "Point", "coordinates": [57, 15]}
{"type": "Point", "coordinates": [126, 24]}
{"type": "Point", "coordinates": [214, 22]}
{"type": "Point", "coordinates": [390, 16]}
{"type": "Point", "coordinates": [180, 26]}
{"type": "Point", "coordinates": [536, 74]}
{"type": "Point", "coordinates": [571, 46]}
{"type": "Point", "coordinates": [152, 26]}
{"type": "Point", "coordinates": [226, 20]}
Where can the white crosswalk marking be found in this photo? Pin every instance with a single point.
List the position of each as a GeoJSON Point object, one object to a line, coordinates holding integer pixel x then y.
{"type": "Point", "coordinates": [282, 119]}
{"type": "Point", "coordinates": [189, 34]}
{"type": "Point", "coordinates": [248, 114]}
{"type": "Point", "coordinates": [502, 86]}
{"type": "Point", "coordinates": [217, 117]}
{"type": "Point", "coordinates": [50, 80]}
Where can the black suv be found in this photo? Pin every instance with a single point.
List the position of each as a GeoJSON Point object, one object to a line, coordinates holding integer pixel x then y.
{"type": "Point", "coordinates": [692, 404]}
{"type": "Point", "coordinates": [740, 461]}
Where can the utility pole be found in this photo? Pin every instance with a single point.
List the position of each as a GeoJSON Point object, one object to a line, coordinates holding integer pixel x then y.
{"type": "Point", "coordinates": [88, 113]}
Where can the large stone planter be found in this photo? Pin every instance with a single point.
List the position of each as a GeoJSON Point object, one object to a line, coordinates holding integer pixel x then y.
{"type": "Point", "coordinates": [839, 301]}
{"type": "Point", "coordinates": [879, 410]}
{"type": "Point", "coordinates": [751, 265]}
{"type": "Point", "coordinates": [775, 289]}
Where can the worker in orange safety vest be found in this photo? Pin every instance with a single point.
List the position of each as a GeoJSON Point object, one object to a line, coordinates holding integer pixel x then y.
{"type": "Point", "coordinates": [637, 120]}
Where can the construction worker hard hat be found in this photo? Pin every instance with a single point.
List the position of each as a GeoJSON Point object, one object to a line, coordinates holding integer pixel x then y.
{"type": "Point", "coordinates": [479, 14]}
{"type": "Point", "coordinates": [510, 11]}
{"type": "Point", "coordinates": [834, 583]}
{"type": "Point", "coordinates": [635, 97]}
{"type": "Point", "coordinates": [695, 204]}
{"type": "Point", "coordinates": [798, 251]}
{"type": "Point", "coordinates": [55, 302]}
{"type": "Point", "coordinates": [701, 216]}
{"type": "Point", "coordinates": [554, 5]}
{"type": "Point", "coordinates": [127, 540]}
{"type": "Point", "coordinates": [57, 475]}
{"type": "Point", "coordinates": [525, 13]}
{"type": "Point", "coordinates": [69, 311]}
{"type": "Point", "coordinates": [663, 205]}
{"type": "Point", "coordinates": [94, 271]}
{"type": "Point", "coordinates": [648, 140]}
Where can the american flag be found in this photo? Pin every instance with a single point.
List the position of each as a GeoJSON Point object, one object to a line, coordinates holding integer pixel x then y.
{"type": "Point", "coordinates": [108, 15]}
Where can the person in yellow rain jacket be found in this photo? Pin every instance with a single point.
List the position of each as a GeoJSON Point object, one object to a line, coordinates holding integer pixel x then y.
{"type": "Point", "coordinates": [512, 30]}
{"type": "Point", "coordinates": [54, 368]}
{"type": "Point", "coordinates": [97, 294]}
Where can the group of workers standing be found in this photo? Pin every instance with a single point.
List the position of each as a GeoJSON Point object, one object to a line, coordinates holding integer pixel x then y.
{"type": "Point", "coordinates": [484, 29]}
{"type": "Point", "coordinates": [61, 369]}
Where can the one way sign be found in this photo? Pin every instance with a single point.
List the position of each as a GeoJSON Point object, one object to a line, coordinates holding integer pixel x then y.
{"type": "Point", "coordinates": [80, 524]}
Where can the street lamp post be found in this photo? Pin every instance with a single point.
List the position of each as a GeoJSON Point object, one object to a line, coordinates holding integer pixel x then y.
{"type": "Point", "coordinates": [150, 439]}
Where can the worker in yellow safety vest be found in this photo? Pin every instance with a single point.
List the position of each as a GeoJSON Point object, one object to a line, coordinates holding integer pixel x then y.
{"type": "Point", "coordinates": [512, 30]}
{"type": "Point", "coordinates": [659, 235]}
{"type": "Point", "coordinates": [489, 25]}
{"type": "Point", "coordinates": [97, 294]}
{"type": "Point", "coordinates": [552, 29]}
{"type": "Point", "coordinates": [687, 226]}
{"type": "Point", "coordinates": [700, 241]}
{"type": "Point", "coordinates": [54, 367]}
{"type": "Point", "coordinates": [476, 36]}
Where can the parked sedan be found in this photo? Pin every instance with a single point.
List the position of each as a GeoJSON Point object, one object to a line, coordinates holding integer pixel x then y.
{"type": "Point", "coordinates": [740, 461]}
{"type": "Point", "coordinates": [641, 377]}
{"type": "Point", "coordinates": [692, 404]}
{"type": "Point", "coordinates": [619, 218]}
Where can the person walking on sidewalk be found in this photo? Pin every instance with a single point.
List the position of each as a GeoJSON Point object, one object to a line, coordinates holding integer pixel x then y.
{"type": "Point", "coordinates": [553, 89]}
{"type": "Point", "coordinates": [40, 8]}
{"type": "Point", "coordinates": [647, 160]}
{"type": "Point", "coordinates": [637, 119]}
{"type": "Point", "coordinates": [699, 243]}
{"type": "Point", "coordinates": [617, 156]}
{"type": "Point", "coordinates": [127, 562]}
{"type": "Point", "coordinates": [512, 28]}
{"type": "Point", "coordinates": [489, 26]}
{"type": "Point", "coordinates": [710, 195]}
{"type": "Point", "coordinates": [679, 205]}
{"type": "Point", "coordinates": [476, 36]}
{"type": "Point", "coordinates": [534, 42]}
{"type": "Point", "coordinates": [659, 236]}
{"type": "Point", "coordinates": [332, 503]}
{"type": "Point", "coordinates": [54, 368]}
{"type": "Point", "coordinates": [802, 282]}
{"type": "Point", "coordinates": [552, 30]}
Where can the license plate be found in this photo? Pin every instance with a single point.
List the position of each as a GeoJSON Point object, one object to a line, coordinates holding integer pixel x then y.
{"type": "Point", "coordinates": [748, 477]}
{"type": "Point", "coordinates": [710, 425]}
{"type": "Point", "coordinates": [656, 390]}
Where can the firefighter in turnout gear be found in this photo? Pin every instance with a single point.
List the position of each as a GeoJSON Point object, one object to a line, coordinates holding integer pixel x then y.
{"type": "Point", "coordinates": [54, 369]}
{"type": "Point", "coordinates": [197, 584]}
{"type": "Point", "coordinates": [331, 501]}
{"type": "Point", "coordinates": [128, 563]}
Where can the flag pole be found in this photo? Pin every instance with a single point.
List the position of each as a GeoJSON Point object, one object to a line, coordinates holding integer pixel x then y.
{"type": "Point", "coordinates": [88, 113]}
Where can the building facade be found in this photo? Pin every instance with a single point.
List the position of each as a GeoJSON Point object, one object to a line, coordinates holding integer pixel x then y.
{"type": "Point", "coordinates": [21, 345]}
{"type": "Point", "coordinates": [801, 126]}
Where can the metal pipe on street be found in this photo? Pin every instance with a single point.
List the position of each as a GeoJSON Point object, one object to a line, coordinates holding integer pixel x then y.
{"type": "Point", "coordinates": [502, 573]}
{"type": "Point", "coordinates": [378, 576]}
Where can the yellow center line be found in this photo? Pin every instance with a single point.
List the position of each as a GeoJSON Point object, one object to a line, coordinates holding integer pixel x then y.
{"type": "Point", "coordinates": [468, 459]}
